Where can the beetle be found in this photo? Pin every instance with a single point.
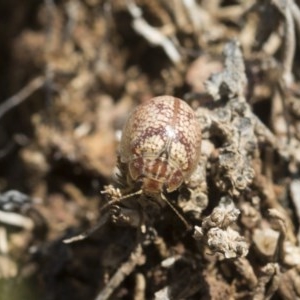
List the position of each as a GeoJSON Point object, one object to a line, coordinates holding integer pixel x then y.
{"type": "Point", "coordinates": [159, 150]}
{"type": "Point", "coordinates": [160, 144]}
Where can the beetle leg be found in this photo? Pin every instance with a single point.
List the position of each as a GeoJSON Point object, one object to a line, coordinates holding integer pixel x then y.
{"type": "Point", "coordinates": [125, 216]}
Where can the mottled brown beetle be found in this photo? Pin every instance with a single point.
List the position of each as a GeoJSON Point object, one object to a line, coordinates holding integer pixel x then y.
{"type": "Point", "coordinates": [160, 144]}
{"type": "Point", "coordinates": [159, 150]}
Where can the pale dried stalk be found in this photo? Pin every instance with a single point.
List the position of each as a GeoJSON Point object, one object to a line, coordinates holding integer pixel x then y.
{"type": "Point", "coordinates": [3, 241]}
{"type": "Point", "coordinates": [151, 34]}
{"type": "Point", "coordinates": [285, 8]}
{"type": "Point", "coordinates": [162, 294]}
{"type": "Point", "coordinates": [296, 16]}
{"type": "Point", "coordinates": [136, 258]}
{"type": "Point", "coordinates": [15, 219]}
{"type": "Point", "coordinates": [140, 287]}
{"type": "Point", "coordinates": [295, 196]}
{"type": "Point", "coordinates": [22, 95]}
{"type": "Point", "coordinates": [290, 46]}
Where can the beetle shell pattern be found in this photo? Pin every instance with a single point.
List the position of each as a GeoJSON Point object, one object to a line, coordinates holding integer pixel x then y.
{"type": "Point", "coordinates": [161, 144]}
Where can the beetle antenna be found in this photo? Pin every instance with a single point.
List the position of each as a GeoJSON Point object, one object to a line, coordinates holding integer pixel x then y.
{"type": "Point", "coordinates": [86, 233]}
{"type": "Point", "coordinates": [119, 199]}
{"type": "Point", "coordinates": [179, 215]}
{"type": "Point", "coordinates": [102, 220]}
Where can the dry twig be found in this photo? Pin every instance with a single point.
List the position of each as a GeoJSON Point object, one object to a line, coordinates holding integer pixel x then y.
{"type": "Point", "coordinates": [22, 95]}
{"type": "Point", "coordinates": [151, 34]}
{"type": "Point", "coordinates": [136, 258]}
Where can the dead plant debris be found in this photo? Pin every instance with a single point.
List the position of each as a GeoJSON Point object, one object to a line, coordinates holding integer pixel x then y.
{"type": "Point", "coordinates": [71, 73]}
